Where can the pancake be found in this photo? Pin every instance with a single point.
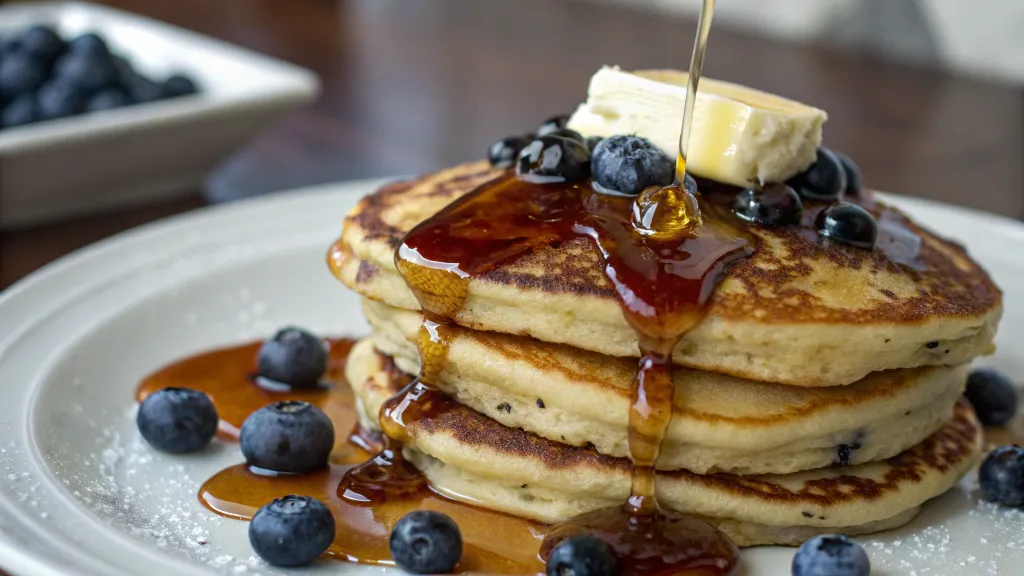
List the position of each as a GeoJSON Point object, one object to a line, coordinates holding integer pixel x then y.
{"type": "Point", "coordinates": [800, 311]}
{"type": "Point", "coordinates": [721, 423]}
{"type": "Point", "coordinates": [473, 458]}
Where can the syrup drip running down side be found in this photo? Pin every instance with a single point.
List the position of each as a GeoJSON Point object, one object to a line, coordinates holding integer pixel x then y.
{"type": "Point", "coordinates": [663, 285]}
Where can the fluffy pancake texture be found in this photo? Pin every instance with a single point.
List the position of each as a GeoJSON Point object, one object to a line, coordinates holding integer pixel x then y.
{"type": "Point", "coordinates": [721, 423]}
{"type": "Point", "coordinates": [472, 457]}
{"type": "Point", "coordinates": [799, 311]}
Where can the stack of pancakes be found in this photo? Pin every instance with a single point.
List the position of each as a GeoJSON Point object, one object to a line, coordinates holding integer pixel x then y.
{"type": "Point", "coordinates": [821, 393]}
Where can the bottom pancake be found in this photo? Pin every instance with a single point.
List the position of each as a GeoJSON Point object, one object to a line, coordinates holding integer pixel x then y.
{"type": "Point", "coordinates": [471, 457]}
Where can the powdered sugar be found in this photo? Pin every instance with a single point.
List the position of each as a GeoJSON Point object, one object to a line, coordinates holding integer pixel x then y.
{"type": "Point", "coordinates": [152, 496]}
{"type": "Point", "coordinates": [956, 533]}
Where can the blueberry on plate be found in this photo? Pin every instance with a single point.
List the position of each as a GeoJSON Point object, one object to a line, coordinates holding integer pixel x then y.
{"type": "Point", "coordinates": [628, 164]}
{"type": "Point", "coordinates": [552, 124]}
{"type": "Point", "coordinates": [88, 71]}
{"type": "Point", "coordinates": [824, 180]}
{"type": "Point", "coordinates": [291, 531]}
{"type": "Point", "coordinates": [849, 224]}
{"type": "Point", "coordinates": [20, 73]}
{"type": "Point", "coordinates": [773, 205]}
{"type": "Point", "coordinates": [20, 111]}
{"type": "Point", "coordinates": [107, 99]}
{"type": "Point", "coordinates": [1001, 476]}
{"type": "Point", "coordinates": [9, 44]}
{"type": "Point", "coordinates": [993, 396]}
{"type": "Point", "coordinates": [177, 420]}
{"type": "Point", "coordinates": [592, 142]}
{"type": "Point", "coordinates": [293, 357]}
{"type": "Point", "coordinates": [503, 153]}
{"type": "Point", "coordinates": [852, 172]}
{"type": "Point", "coordinates": [178, 85]}
{"type": "Point", "coordinates": [289, 436]}
{"type": "Point", "coordinates": [583, 555]}
{"type": "Point", "coordinates": [42, 43]}
{"type": "Point", "coordinates": [89, 43]}
{"type": "Point", "coordinates": [831, 555]}
{"type": "Point", "coordinates": [57, 99]}
{"type": "Point", "coordinates": [553, 159]}
{"type": "Point", "coordinates": [426, 542]}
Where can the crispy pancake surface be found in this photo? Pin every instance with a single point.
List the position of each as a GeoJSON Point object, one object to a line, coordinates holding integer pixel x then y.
{"type": "Point", "coordinates": [799, 311]}
{"type": "Point", "coordinates": [470, 456]}
{"type": "Point", "coordinates": [721, 423]}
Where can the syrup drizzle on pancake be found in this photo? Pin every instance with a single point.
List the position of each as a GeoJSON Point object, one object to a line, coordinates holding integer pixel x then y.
{"type": "Point", "coordinates": [662, 286]}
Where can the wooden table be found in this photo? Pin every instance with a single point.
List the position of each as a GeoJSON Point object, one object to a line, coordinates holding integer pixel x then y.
{"type": "Point", "coordinates": [411, 86]}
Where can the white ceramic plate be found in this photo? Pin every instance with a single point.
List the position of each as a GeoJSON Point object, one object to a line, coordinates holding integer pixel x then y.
{"type": "Point", "coordinates": [138, 154]}
{"type": "Point", "coordinates": [80, 494]}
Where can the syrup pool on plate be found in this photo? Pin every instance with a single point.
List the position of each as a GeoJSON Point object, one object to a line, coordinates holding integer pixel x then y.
{"type": "Point", "coordinates": [494, 543]}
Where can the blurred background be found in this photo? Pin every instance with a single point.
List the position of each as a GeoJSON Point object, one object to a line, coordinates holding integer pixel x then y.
{"type": "Point", "coordinates": [926, 95]}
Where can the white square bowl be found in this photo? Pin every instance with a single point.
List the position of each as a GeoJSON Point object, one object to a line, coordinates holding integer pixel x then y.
{"type": "Point", "coordinates": [142, 153]}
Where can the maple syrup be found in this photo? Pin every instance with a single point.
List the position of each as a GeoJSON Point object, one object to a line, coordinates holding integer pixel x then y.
{"type": "Point", "coordinates": [663, 282]}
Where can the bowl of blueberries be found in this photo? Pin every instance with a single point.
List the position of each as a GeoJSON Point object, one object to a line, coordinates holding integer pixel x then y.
{"type": "Point", "coordinates": [100, 108]}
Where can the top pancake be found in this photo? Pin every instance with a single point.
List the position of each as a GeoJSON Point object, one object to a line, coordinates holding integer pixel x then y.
{"type": "Point", "coordinates": [799, 311]}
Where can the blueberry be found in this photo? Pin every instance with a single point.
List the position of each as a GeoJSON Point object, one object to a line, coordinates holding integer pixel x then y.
{"type": "Point", "coordinates": [291, 531]}
{"type": "Point", "coordinates": [177, 420]}
{"type": "Point", "coordinates": [552, 124]}
{"type": "Point", "coordinates": [42, 43]}
{"type": "Point", "coordinates": [824, 180]}
{"type": "Point", "coordinates": [849, 224]}
{"type": "Point", "coordinates": [773, 205]}
{"type": "Point", "coordinates": [993, 396]}
{"type": "Point", "coordinates": [583, 555]}
{"type": "Point", "coordinates": [852, 172]}
{"type": "Point", "coordinates": [89, 43]}
{"type": "Point", "coordinates": [628, 164]}
{"type": "Point", "coordinates": [20, 111]}
{"type": "Point", "coordinates": [10, 44]}
{"type": "Point", "coordinates": [293, 357]}
{"type": "Point", "coordinates": [88, 71]}
{"type": "Point", "coordinates": [503, 153]}
{"type": "Point", "coordinates": [140, 88]}
{"type": "Point", "coordinates": [832, 555]}
{"type": "Point", "coordinates": [568, 133]}
{"type": "Point", "coordinates": [178, 85]}
{"type": "Point", "coordinates": [107, 99]}
{"type": "Point", "coordinates": [287, 436]}
{"type": "Point", "coordinates": [20, 73]}
{"type": "Point", "coordinates": [593, 141]}
{"type": "Point", "coordinates": [553, 159]}
{"type": "Point", "coordinates": [57, 99]}
{"type": "Point", "coordinates": [1001, 476]}
{"type": "Point", "coordinates": [426, 542]}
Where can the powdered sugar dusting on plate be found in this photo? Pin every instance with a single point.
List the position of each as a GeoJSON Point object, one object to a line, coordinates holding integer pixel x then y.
{"type": "Point", "coordinates": [152, 496]}
{"type": "Point", "coordinates": [956, 533]}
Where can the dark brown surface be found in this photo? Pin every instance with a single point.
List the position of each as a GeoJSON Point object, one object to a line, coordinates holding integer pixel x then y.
{"type": "Point", "coordinates": [414, 86]}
